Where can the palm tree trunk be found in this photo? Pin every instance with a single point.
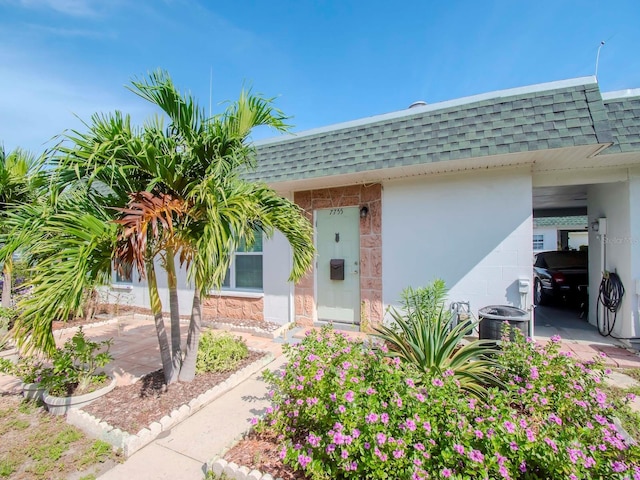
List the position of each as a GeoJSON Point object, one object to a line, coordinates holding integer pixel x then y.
{"type": "Point", "coordinates": [6, 283]}
{"type": "Point", "coordinates": [174, 310]}
{"type": "Point", "coordinates": [188, 371]}
{"type": "Point", "coordinates": [156, 309]}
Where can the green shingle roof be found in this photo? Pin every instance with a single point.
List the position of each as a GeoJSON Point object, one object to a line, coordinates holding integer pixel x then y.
{"type": "Point", "coordinates": [574, 221]}
{"type": "Point", "coordinates": [555, 118]}
{"type": "Point", "coordinates": [624, 117]}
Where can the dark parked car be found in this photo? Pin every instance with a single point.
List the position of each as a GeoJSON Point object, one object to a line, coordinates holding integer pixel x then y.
{"type": "Point", "coordinates": [560, 275]}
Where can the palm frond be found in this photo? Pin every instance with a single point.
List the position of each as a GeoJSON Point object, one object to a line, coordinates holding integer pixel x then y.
{"type": "Point", "coordinates": [148, 221]}
{"type": "Point", "coordinates": [73, 249]}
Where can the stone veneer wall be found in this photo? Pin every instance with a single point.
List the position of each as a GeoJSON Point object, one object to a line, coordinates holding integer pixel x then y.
{"type": "Point", "coordinates": [370, 248]}
{"type": "Point", "coordinates": [220, 307]}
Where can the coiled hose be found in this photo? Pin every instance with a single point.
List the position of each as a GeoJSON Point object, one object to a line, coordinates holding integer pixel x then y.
{"type": "Point", "coordinates": [610, 297]}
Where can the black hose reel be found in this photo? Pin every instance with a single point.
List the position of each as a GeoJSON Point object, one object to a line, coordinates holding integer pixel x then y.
{"type": "Point", "coordinates": [610, 296]}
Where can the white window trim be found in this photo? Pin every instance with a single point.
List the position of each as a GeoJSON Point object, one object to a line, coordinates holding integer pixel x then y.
{"type": "Point", "coordinates": [232, 276]}
{"type": "Point", "coordinates": [540, 240]}
{"type": "Point", "coordinates": [237, 293]}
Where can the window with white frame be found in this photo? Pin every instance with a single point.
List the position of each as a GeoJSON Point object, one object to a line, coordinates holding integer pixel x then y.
{"type": "Point", "coordinates": [538, 241]}
{"type": "Point", "coordinates": [123, 274]}
{"type": "Point", "coordinates": [245, 271]}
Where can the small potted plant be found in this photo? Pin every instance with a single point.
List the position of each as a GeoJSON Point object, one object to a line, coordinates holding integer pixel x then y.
{"type": "Point", "coordinates": [72, 380]}
{"type": "Point", "coordinates": [29, 369]}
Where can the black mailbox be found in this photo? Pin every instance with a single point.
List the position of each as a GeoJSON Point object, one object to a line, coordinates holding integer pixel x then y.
{"type": "Point", "coordinates": [337, 269]}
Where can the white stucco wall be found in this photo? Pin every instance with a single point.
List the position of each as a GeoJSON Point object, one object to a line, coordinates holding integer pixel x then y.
{"type": "Point", "coordinates": [618, 203]}
{"type": "Point", "coordinates": [473, 230]}
{"type": "Point", "coordinates": [278, 296]}
{"type": "Point", "coordinates": [278, 292]}
{"type": "Point", "coordinates": [633, 286]}
{"type": "Point", "coordinates": [578, 239]}
{"type": "Point", "coordinates": [136, 293]}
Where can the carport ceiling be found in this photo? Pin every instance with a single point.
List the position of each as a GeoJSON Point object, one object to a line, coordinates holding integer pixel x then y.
{"type": "Point", "coordinates": [562, 200]}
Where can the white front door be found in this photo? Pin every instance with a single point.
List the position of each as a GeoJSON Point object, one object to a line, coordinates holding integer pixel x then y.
{"type": "Point", "coordinates": [338, 266]}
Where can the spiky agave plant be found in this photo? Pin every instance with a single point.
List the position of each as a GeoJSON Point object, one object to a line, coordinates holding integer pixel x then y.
{"type": "Point", "coordinates": [433, 346]}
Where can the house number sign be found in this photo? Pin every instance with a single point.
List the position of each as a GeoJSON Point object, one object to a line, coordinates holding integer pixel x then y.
{"type": "Point", "coordinates": [336, 211]}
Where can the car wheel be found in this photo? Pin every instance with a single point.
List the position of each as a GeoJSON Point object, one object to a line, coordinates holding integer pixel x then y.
{"type": "Point", "coordinates": [539, 297]}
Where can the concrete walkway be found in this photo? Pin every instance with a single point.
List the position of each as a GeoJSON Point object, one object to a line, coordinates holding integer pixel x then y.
{"type": "Point", "coordinates": [580, 338]}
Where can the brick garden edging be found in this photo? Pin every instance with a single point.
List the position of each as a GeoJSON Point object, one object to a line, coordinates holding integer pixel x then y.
{"type": "Point", "coordinates": [256, 331]}
{"type": "Point", "coordinates": [131, 443]}
{"type": "Point", "coordinates": [220, 466]}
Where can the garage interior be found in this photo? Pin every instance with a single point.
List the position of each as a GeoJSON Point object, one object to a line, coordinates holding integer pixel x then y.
{"type": "Point", "coordinates": [590, 320]}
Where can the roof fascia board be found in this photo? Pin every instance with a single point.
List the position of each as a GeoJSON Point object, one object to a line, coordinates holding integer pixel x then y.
{"type": "Point", "coordinates": [619, 94]}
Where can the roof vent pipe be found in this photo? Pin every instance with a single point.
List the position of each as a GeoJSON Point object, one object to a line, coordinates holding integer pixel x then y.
{"type": "Point", "coordinates": [419, 103]}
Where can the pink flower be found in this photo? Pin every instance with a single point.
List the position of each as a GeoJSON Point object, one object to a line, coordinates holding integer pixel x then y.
{"type": "Point", "coordinates": [349, 396]}
{"type": "Point", "coordinates": [551, 443]}
{"type": "Point", "coordinates": [618, 467]}
{"type": "Point", "coordinates": [476, 456]}
{"type": "Point", "coordinates": [437, 382]}
{"type": "Point", "coordinates": [510, 427]}
{"type": "Point", "coordinates": [304, 460]}
{"type": "Point", "coordinates": [371, 417]}
{"type": "Point", "coordinates": [554, 418]}
{"type": "Point", "coordinates": [459, 448]}
{"type": "Point", "coordinates": [411, 425]}
{"type": "Point", "coordinates": [446, 473]}
{"type": "Point", "coordinates": [398, 453]}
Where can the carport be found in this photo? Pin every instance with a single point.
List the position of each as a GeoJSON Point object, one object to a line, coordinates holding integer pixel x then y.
{"type": "Point", "coordinates": [604, 186]}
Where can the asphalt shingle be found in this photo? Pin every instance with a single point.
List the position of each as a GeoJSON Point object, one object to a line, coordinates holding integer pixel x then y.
{"type": "Point", "coordinates": [624, 120]}
{"type": "Point", "coordinates": [562, 117]}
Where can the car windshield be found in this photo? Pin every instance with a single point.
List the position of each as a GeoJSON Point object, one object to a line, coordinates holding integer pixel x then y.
{"type": "Point", "coordinates": [556, 260]}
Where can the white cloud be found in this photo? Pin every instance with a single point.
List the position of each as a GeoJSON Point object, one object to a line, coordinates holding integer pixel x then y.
{"type": "Point", "coordinates": [76, 8]}
{"type": "Point", "coordinates": [69, 32]}
{"type": "Point", "coordinates": [36, 105]}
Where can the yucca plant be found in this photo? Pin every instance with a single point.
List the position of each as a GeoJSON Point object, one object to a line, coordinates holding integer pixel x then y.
{"type": "Point", "coordinates": [434, 347]}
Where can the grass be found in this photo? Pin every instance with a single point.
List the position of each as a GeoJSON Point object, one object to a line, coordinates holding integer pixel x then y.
{"type": "Point", "coordinates": [36, 445]}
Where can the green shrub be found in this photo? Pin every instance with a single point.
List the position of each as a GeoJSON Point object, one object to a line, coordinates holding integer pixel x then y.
{"type": "Point", "coordinates": [427, 302]}
{"type": "Point", "coordinates": [220, 352]}
{"type": "Point", "coordinates": [28, 368]}
{"type": "Point", "coordinates": [423, 335]}
{"type": "Point", "coordinates": [7, 318]}
{"type": "Point", "coordinates": [345, 411]}
{"type": "Point", "coordinates": [74, 366]}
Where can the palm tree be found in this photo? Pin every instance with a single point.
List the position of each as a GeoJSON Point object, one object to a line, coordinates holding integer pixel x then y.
{"type": "Point", "coordinates": [161, 193]}
{"type": "Point", "coordinates": [19, 180]}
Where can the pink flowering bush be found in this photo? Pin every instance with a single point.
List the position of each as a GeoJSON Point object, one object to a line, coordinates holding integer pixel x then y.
{"type": "Point", "coordinates": [343, 410]}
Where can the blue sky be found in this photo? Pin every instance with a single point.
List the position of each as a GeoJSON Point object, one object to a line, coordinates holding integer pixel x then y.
{"type": "Point", "coordinates": [326, 61]}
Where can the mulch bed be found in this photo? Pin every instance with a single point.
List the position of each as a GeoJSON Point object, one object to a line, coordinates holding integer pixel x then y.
{"type": "Point", "coordinates": [261, 451]}
{"type": "Point", "coordinates": [134, 407]}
